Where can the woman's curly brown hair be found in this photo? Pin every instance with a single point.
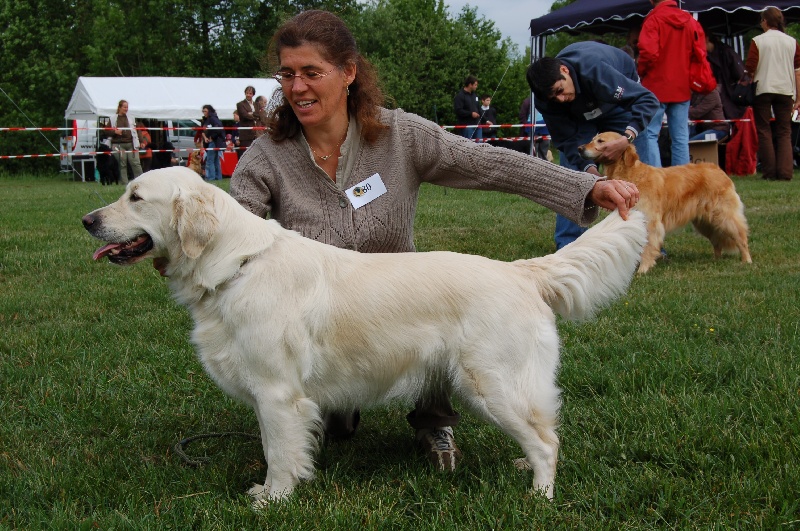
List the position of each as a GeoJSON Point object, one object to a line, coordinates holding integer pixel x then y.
{"type": "Point", "coordinates": [329, 34]}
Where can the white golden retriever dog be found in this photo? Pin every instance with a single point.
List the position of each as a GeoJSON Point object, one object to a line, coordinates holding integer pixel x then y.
{"type": "Point", "coordinates": [294, 327]}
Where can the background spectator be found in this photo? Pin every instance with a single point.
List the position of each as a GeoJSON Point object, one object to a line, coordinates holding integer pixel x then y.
{"type": "Point", "coordinates": [773, 61]}
{"type": "Point", "coordinates": [164, 154]}
{"type": "Point", "coordinates": [631, 46]}
{"type": "Point", "coordinates": [261, 114]}
{"type": "Point", "coordinates": [146, 156]}
{"type": "Point", "coordinates": [214, 142]}
{"type": "Point", "coordinates": [125, 142]}
{"type": "Point", "coordinates": [235, 130]}
{"type": "Point", "coordinates": [541, 145]}
{"type": "Point", "coordinates": [669, 38]}
{"type": "Point", "coordinates": [707, 107]}
{"type": "Point", "coordinates": [728, 69]}
{"type": "Point", "coordinates": [488, 116]}
{"type": "Point", "coordinates": [467, 109]}
{"type": "Point", "coordinates": [247, 120]}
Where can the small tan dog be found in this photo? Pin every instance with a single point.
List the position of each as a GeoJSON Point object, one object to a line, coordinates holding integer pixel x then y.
{"type": "Point", "coordinates": [672, 197]}
{"type": "Point", "coordinates": [195, 162]}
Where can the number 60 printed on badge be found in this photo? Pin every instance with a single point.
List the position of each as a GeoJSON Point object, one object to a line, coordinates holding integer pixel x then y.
{"type": "Point", "coordinates": [366, 191]}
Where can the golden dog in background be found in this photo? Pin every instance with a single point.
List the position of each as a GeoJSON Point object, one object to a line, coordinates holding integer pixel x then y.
{"type": "Point", "coordinates": [673, 197]}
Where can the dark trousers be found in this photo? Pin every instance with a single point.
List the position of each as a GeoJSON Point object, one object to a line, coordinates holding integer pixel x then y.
{"type": "Point", "coordinates": [433, 411]}
{"type": "Point", "coordinates": [775, 154]}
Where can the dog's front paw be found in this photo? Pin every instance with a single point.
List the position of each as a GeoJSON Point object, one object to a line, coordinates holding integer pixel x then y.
{"type": "Point", "coordinates": [260, 494]}
{"type": "Point", "coordinates": [545, 490]}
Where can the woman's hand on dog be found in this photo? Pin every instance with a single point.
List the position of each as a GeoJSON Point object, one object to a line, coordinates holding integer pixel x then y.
{"type": "Point", "coordinates": [613, 194]}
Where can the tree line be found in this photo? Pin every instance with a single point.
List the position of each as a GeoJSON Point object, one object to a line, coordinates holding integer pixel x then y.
{"type": "Point", "coordinates": [421, 50]}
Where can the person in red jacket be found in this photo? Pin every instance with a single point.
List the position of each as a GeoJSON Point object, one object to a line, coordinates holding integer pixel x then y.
{"type": "Point", "coordinates": [669, 38]}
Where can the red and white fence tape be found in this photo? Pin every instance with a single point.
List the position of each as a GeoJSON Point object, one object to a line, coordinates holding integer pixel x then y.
{"type": "Point", "coordinates": [260, 128]}
{"type": "Point", "coordinates": [92, 153]}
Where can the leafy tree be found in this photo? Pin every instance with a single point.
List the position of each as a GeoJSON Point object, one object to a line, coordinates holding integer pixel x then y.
{"type": "Point", "coordinates": [41, 62]}
{"type": "Point", "coordinates": [38, 62]}
{"type": "Point", "coordinates": [421, 50]}
{"type": "Point", "coordinates": [423, 54]}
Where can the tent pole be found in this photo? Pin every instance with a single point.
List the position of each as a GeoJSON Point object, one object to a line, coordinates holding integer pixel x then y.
{"type": "Point", "coordinates": [538, 44]}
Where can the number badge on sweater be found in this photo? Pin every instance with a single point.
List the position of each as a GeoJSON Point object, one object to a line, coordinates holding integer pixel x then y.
{"type": "Point", "coordinates": [366, 191]}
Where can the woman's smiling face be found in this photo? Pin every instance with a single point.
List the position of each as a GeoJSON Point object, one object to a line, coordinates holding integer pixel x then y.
{"type": "Point", "coordinates": [314, 101]}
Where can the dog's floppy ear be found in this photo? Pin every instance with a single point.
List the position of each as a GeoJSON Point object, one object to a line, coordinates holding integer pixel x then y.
{"type": "Point", "coordinates": [630, 156]}
{"type": "Point", "coordinates": [194, 218]}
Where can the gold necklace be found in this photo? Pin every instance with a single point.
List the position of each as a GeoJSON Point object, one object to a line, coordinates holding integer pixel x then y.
{"type": "Point", "coordinates": [326, 157]}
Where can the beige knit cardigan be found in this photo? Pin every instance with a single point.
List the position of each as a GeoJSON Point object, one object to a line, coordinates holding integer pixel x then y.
{"type": "Point", "coordinates": [281, 181]}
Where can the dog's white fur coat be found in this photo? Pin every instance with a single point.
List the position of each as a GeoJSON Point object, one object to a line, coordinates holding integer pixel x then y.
{"type": "Point", "coordinates": [294, 327]}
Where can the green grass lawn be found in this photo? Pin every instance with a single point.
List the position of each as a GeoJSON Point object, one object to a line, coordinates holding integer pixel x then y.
{"type": "Point", "coordinates": [680, 400]}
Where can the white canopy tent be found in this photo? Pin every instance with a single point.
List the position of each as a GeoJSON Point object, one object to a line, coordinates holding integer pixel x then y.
{"type": "Point", "coordinates": [165, 98]}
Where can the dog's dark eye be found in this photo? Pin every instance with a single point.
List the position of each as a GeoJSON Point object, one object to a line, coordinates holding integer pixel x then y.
{"type": "Point", "coordinates": [135, 197]}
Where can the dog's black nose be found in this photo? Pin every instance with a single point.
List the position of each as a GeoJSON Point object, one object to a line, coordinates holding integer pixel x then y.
{"type": "Point", "coordinates": [88, 220]}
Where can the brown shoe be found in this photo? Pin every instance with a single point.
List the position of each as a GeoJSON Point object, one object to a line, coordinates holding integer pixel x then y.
{"type": "Point", "coordinates": [440, 447]}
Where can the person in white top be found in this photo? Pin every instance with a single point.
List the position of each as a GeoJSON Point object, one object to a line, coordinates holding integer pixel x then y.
{"type": "Point", "coordinates": [773, 61]}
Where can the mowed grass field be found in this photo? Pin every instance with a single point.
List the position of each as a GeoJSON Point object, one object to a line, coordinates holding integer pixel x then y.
{"type": "Point", "coordinates": [681, 400]}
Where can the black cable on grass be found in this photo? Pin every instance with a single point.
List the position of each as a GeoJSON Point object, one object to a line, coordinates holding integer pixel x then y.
{"type": "Point", "coordinates": [198, 461]}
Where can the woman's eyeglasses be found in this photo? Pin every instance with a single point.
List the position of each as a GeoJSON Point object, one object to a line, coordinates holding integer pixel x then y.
{"type": "Point", "coordinates": [310, 77]}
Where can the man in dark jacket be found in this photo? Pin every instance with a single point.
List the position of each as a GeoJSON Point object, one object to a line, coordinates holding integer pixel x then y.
{"type": "Point", "coordinates": [587, 89]}
{"type": "Point", "coordinates": [468, 109]}
{"type": "Point", "coordinates": [728, 69]}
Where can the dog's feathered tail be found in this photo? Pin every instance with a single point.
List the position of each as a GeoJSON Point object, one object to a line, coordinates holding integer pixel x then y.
{"type": "Point", "coordinates": [595, 269]}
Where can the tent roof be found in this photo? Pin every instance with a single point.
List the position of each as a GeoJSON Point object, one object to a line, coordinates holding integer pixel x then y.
{"type": "Point", "coordinates": [722, 17]}
{"type": "Point", "coordinates": [166, 98]}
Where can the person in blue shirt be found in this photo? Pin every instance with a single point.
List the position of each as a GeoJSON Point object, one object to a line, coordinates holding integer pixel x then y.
{"type": "Point", "coordinates": [589, 88]}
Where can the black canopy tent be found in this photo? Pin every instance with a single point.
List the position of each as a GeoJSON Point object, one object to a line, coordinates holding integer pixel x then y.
{"type": "Point", "coordinates": [730, 19]}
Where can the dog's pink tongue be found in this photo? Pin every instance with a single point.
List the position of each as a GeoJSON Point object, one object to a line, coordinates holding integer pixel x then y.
{"type": "Point", "coordinates": [105, 250]}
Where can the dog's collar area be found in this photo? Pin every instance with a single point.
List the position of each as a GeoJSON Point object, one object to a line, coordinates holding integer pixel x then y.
{"type": "Point", "coordinates": [242, 263]}
{"type": "Point", "coordinates": [246, 260]}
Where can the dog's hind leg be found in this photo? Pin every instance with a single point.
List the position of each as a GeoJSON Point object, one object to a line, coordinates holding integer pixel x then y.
{"type": "Point", "coordinates": [717, 239]}
{"type": "Point", "coordinates": [726, 232]}
{"type": "Point", "coordinates": [288, 428]}
{"type": "Point", "coordinates": [523, 402]}
{"type": "Point", "coordinates": [539, 441]}
{"type": "Point", "coordinates": [535, 432]}
{"type": "Point", "coordinates": [737, 225]}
